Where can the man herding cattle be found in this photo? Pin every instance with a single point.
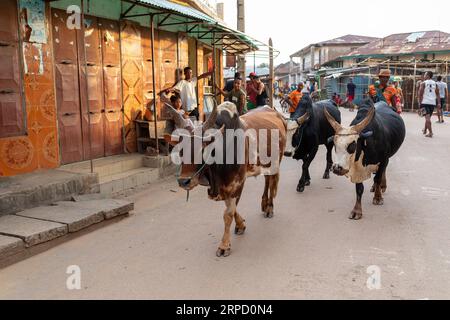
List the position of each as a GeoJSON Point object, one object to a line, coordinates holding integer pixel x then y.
{"type": "Point", "coordinates": [364, 148]}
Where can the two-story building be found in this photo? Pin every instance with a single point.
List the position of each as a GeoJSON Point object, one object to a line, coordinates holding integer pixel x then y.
{"type": "Point", "coordinates": [309, 59]}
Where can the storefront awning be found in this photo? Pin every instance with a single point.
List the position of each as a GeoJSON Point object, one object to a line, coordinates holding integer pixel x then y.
{"type": "Point", "coordinates": [175, 17]}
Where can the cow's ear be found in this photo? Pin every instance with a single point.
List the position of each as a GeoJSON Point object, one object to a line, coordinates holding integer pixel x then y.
{"type": "Point", "coordinates": [365, 135]}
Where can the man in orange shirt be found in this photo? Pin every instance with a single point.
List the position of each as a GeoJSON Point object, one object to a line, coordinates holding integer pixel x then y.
{"type": "Point", "coordinates": [383, 91]}
{"type": "Point", "coordinates": [295, 97]}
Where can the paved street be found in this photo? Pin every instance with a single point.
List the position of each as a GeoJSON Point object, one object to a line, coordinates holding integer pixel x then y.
{"type": "Point", "coordinates": [310, 249]}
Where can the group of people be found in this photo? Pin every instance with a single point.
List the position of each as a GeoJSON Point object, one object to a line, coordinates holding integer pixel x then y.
{"type": "Point", "coordinates": [182, 96]}
{"type": "Point", "coordinates": [253, 95]}
{"type": "Point", "coordinates": [432, 95]}
{"type": "Point", "coordinates": [292, 97]}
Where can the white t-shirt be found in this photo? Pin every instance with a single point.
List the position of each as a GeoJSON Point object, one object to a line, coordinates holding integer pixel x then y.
{"type": "Point", "coordinates": [429, 93]}
{"type": "Point", "coordinates": [188, 93]}
{"type": "Point", "coordinates": [442, 86]}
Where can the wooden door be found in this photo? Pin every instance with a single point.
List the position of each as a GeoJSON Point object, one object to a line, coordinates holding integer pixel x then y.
{"type": "Point", "coordinates": [168, 45]}
{"type": "Point", "coordinates": [110, 42]}
{"type": "Point", "coordinates": [67, 89]}
{"type": "Point", "coordinates": [132, 73]}
{"type": "Point", "coordinates": [11, 103]}
{"type": "Point", "coordinates": [93, 141]}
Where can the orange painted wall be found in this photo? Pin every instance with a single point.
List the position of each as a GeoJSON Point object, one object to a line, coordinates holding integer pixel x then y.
{"type": "Point", "coordinates": [38, 149]}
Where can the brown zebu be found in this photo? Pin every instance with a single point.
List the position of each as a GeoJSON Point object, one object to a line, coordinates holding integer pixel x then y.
{"type": "Point", "coordinates": [226, 181]}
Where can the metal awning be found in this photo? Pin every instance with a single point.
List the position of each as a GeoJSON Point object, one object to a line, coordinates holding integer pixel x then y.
{"type": "Point", "coordinates": [174, 17]}
{"type": "Point", "coordinates": [179, 18]}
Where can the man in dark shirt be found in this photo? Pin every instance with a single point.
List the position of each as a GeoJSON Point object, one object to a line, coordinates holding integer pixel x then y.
{"type": "Point", "coordinates": [351, 94]}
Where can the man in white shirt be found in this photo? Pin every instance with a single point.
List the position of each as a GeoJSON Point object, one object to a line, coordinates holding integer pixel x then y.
{"type": "Point", "coordinates": [429, 98]}
{"type": "Point", "coordinates": [187, 89]}
{"type": "Point", "coordinates": [443, 92]}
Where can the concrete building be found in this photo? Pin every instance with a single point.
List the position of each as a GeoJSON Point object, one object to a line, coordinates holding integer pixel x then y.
{"type": "Point", "coordinates": [312, 57]}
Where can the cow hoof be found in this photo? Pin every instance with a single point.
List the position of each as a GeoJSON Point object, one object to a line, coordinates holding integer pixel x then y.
{"type": "Point", "coordinates": [300, 188]}
{"type": "Point", "coordinates": [240, 232]}
{"type": "Point", "coordinates": [355, 215]}
{"type": "Point", "coordinates": [223, 252]}
{"type": "Point", "coordinates": [378, 202]}
{"type": "Point", "coordinates": [269, 213]}
{"type": "Point", "coordinates": [308, 183]}
{"type": "Point", "coordinates": [326, 176]}
{"type": "Point", "coordinates": [383, 189]}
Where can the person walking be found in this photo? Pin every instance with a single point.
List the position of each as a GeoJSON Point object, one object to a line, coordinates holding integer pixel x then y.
{"type": "Point", "coordinates": [443, 92]}
{"type": "Point", "coordinates": [428, 97]}
{"type": "Point", "coordinates": [294, 98]}
{"type": "Point", "coordinates": [351, 88]}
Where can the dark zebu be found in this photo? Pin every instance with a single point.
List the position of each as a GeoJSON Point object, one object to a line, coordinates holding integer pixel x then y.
{"type": "Point", "coordinates": [374, 136]}
{"type": "Point", "coordinates": [307, 130]}
{"type": "Point", "coordinates": [226, 181]}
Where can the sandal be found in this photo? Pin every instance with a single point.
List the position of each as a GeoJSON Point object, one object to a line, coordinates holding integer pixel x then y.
{"type": "Point", "coordinates": [430, 135]}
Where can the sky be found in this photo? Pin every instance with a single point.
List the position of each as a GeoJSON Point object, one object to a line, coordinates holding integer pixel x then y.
{"type": "Point", "coordinates": [294, 24]}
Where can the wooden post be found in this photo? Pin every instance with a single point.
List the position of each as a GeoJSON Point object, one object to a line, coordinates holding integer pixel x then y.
{"type": "Point", "coordinates": [446, 80]}
{"type": "Point", "coordinates": [271, 72]}
{"type": "Point", "coordinates": [155, 113]}
{"type": "Point", "coordinates": [86, 85]}
{"type": "Point", "coordinates": [414, 85]}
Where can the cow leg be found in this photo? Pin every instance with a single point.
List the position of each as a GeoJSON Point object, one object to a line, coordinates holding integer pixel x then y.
{"type": "Point", "coordinates": [326, 175]}
{"type": "Point", "coordinates": [378, 197]}
{"type": "Point", "coordinates": [357, 210]}
{"type": "Point", "coordinates": [225, 244]}
{"type": "Point", "coordinates": [273, 186]}
{"type": "Point", "coordinates": [305, 180]}
{"type": "Point", "coordinates": [265, 197]}
{"type": "Point", "coordinates": [240, 222]}
{"type": "Point", "coordinates": [383, 182]}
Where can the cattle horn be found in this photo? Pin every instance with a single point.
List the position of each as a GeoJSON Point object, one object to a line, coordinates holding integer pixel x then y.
{"type": "Point", "coordinates": [303, 119]}
{"type": "Point", "coordinates": [363, 124]}
{"type": "Point", "coordinates": [211, 119]}
{"type": "Point", "coordinates": [333, 123]}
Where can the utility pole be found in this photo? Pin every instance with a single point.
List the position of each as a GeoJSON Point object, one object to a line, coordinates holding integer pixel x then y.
{"type": "Point", "coordinates": [271, 72]}
{"type": "Point", "coordinates": [241, 27]}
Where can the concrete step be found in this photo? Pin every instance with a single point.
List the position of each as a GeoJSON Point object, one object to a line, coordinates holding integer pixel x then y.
{"type": "Point", "coordinates": [162, 163]}
{"type": "Point", "coordinates": [107, 166]}
{"type": "Point", "coordinates": [43, 188]}
{"type": "Point", "coordinates": [40, 225]}
{"type": "Point", "coordinates": [129, 180]}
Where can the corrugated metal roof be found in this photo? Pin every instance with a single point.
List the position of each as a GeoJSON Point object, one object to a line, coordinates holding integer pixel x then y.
{"type": "Point", "coordinates": [405, 43]}
{"type": "Point", "coordinates": [347, 39]}
{"type": "Point", "coordinates": [182, 9]}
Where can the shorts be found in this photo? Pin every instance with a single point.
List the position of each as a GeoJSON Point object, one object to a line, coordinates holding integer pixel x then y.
{"type": "Point", "coordinates": [429, 109]}
{"type": "Point", "coordinates": [443, 103]}
{"type": "Point", "coordinates": [350, 98]}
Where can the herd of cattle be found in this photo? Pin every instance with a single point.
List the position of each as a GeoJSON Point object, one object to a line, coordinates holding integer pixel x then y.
{"type": "Point", "coordinates": [361, 150]}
